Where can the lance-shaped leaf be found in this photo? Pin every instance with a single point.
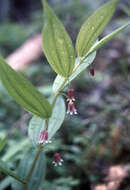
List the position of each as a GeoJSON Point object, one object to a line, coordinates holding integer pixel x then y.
{"type": "Point", "coordinates": [57, 44]}
{"type": "Point", "coordinates": [107, 38]}
{"type": "Point", "coordinates": [37, 125]}
{"type": "Point", "coordinates": [12, 151]}
{"type": "Point", "coordinates": [60, 80]}
{"type": "Point", "coordinates": [92, 28]}
{"type": "Point", "coordinates": [23, 92]}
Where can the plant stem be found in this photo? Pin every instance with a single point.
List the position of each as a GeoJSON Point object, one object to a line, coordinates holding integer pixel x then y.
{"type": "Point", "coordinates": [57, 94]}
{"type": "Point", "coordinates": [35, 160]}
{"type": "Point", "coordinates": [40, 146]}
{"type": "Point", "coordinates": [46, 124]}
{"type": "Point", "coordinates": [10, 173]}
{"type": "Point", "coordinates": [80, 61]}
{"type": "Point", "coordinates": [33, 166]}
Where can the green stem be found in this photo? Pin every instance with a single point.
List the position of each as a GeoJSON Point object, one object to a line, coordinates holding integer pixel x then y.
{"type": "Point", "coordinates": [46, 124]}
{"type": "Point", "coordinates": [33, 166]}
{"type": "Point", "coordinates": [80, 61]}
{"type": "Point", "coordinates": [40, 146]}
{"type": "Point", "coordinates": [57, 94]}
{"type": "Point", "coordinates": [10, 173]}
{"type": "Point", "coordinates": [34, 162]}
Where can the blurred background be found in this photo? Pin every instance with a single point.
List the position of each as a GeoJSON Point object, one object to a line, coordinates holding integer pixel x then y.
{"type": "Point", "coordinates": [98, 138]}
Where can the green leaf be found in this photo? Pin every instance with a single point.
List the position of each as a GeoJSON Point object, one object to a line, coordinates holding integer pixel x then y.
{"type": "Point", "coordinates": [37, 125]}
{"type": "Point", "coordinates": [2, 144]}
{"type": "Point", "coordinates": [125, 9]}
{"type": "Point", "coordinates": [23, 92]}
{"type": "Point", "coordinates": [57, 44]}
{"type": "Point", "coordinates": [92, 28]}
{"type": "Point", "coordinates": [38, 174]}
{"type": "Point", "coordinates": [12, 151]}
{"type": "Point", "coordinates": [5, 183]}
{"type": "Point", "coordinates": [59, 80]}
{"type": "Point", "coordinates": [107, 38]}
{"type": "Point", "coordinates": [4, 168]}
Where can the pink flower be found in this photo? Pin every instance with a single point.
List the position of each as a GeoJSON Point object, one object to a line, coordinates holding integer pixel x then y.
{"type": "Point", "coordinates": [71, 108]}
{"type": "Point", "coordinates": [71, 95]}
{"type": "Point", "coordinates": [44, 137]}
{"type": "Point", "coordinates": [57, 159]}
{"type": "Point", "coordinates": [92, 71]}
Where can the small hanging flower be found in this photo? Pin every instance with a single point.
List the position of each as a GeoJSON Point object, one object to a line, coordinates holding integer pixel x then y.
{"type": "Point", "coordinates": [70, 99]}
{"type": "Point", "coordinates": [57, 159]}
{"type": "Point", "coordinates": [71, 95]}
{"type": "Point", "coordinates": [92, 71]}
{"type": "Point", "coordinates": [44, 137]}
{"type": "Point", "coordinates": [71, 108]}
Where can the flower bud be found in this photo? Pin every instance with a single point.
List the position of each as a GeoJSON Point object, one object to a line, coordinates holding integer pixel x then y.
{"type": "Point", "coordinates": [92, 71]}
{"type": "Point", "coordinates": [57, 159]}
{"type": "Point", "coordinates": [44, 137]}
{"type": "Point", "coordinates": [71, 95]}
{"type": "Point", "coordinates": [71, 108]}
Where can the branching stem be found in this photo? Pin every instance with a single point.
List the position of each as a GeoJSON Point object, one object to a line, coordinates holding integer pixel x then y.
{"type": "Point", "coordinates": [41, 145]}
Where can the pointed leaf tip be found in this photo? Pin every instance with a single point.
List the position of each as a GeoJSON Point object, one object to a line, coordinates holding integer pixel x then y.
{"type": "Point", "coordinates": [93, 26]}
{"type": "Point", "coordinates": [107, 38]}
{"type": "Point", "coordinates": [57, 44]}
{"type": "Point", "coordinates": [23, 92]}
